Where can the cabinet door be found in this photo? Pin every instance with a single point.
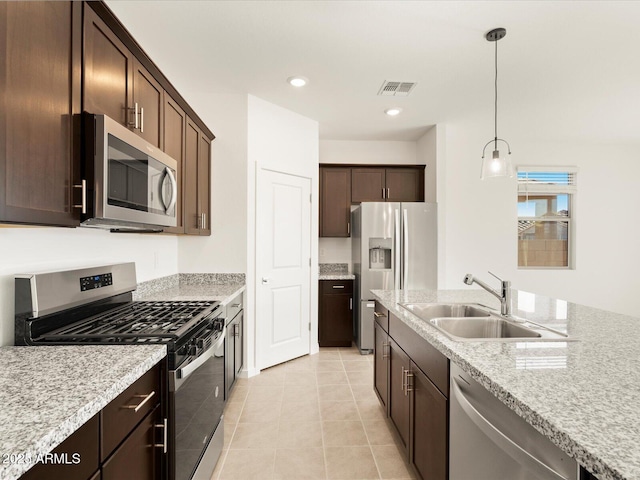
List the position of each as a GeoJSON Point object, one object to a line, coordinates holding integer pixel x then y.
{"type": "Point", "coordinates": [429, 453]}
{"type": "Point", "coordinates": [204, 184]}
{"type": "Point", "coordinates": [80, 454]}
{"type": "Point", "coordinates": [139, 456]}
{"type": "Point", "coordinates": [191, 215]}
{"type": "Point", "coordinates": [335, 202]}
{"type": "Point", "coordinates": [40, 46]}
{"type": "Point", "coordinates": [238, 335]}
{"type": "Point", "coordinates": [108, 71]}
{"type": "Point", "coordinates": [336, 320]}
{"type": "Point", "coordinates": [175, 122]}
{"type": "Point", "coordinates": [381, 365]}
{"type": "Point", "coordinates": [367, 185]}
{"type": "Point", "coordinates": [405, 184]}
{"type": "Point", "coordinates": [399, 399]}
{"type": "Point", "coordinates": [148, 95]}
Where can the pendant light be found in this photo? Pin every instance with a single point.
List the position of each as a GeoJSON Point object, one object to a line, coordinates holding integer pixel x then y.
{"type": "Point", "coordinates": [499, 165]}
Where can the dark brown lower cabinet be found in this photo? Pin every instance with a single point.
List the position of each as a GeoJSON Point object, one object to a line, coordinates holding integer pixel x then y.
{"type": "Point", "coordinates": [381, 365]}
{"type": "Point", "coordinates": [75, 459]}
{"type": "Point", "coordinates": [417, 406]}
{"type": "Point", "coordinates": [399, 399]}
{"type": "Point", "coordinates": [138, 456]}
{"type": "Point", "coordinates": [429, 427]}
{"type": "Point", "coordinates": [335, 313]}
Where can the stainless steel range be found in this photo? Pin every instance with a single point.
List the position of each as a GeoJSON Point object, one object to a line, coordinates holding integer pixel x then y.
{"type": "Point", "coordinates": [95, 306]}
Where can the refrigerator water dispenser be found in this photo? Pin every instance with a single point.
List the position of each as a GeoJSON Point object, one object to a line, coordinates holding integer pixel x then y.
{"type": "Point", "coordinates": [380, 253]}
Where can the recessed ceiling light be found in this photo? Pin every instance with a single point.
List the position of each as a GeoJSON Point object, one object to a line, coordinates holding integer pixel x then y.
{"type": "Point", "coordinates": [297, 81]}
{"type": "Point", "coordinates": [392, 112]}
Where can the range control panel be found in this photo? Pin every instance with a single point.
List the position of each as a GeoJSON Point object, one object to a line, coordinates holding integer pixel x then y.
{"type": "Point", "coordinates": [95, 281]}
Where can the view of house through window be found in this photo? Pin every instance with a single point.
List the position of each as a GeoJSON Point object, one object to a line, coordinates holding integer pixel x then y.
{"type": "Point", "coordinates": [545, 199]}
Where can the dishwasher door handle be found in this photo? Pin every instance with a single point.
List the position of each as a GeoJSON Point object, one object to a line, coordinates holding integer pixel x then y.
{"type": "Point", "coordinates": [507, 445]}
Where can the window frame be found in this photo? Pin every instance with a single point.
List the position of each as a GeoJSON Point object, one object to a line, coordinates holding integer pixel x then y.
{"type": "Point", "coordinates": [569, 189]}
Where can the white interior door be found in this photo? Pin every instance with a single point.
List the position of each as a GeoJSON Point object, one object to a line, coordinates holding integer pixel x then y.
{"type": "Point", "coordinates": [283, 273]}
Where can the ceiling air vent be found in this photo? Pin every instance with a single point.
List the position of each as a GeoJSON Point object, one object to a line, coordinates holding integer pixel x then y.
{"type": "Point", "coordinates": [397, 89]}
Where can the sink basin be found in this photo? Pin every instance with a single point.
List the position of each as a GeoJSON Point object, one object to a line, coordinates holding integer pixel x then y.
{"type": "Point", "coordinates": [427, 311]}
{"type": "Point", "coordinates": [466, 322]}
{"type": "Point", "coordinates": [488, 327]}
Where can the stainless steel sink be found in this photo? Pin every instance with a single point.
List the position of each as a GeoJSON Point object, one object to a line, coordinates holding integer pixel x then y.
{"type": "Point", "coordinates": [488, 327]}
{"type": "Point", "coordinates": [474, 322]}
{"type": "Point", "coordinates": [427, 311]}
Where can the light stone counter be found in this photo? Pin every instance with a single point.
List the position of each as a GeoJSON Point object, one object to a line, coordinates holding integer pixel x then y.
{"type": "Point", "coordinates": [47, 393]}
{"type": "Point", "coordinates": [193, 286]}
{"type": "Point", "coordinates": [335, 271]}
{"type": "Point", "coordinates": [584, 395]}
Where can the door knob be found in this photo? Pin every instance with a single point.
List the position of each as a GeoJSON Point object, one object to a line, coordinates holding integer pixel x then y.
{"type": "Point", "coordinates": [265, 280]}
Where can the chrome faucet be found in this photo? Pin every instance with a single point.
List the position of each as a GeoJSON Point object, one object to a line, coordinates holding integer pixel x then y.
{"type": "Point", "coordinates": [504, 295]}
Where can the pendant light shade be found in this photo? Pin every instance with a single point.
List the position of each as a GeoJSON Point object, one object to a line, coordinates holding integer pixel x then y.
{"type": "Point", "coordinates": [499, 163]}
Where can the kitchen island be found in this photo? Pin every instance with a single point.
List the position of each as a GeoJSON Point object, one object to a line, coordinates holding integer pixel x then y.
{"type": "Point", "coordinates": [47, 393]}
{"type": "Point", "coordinates": [582, 394]}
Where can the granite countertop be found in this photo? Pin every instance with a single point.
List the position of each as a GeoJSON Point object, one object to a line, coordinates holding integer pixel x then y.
{"type": "Point", "coordinates": [582, 394]}
{"type": "Point", "coordinates": [193, 286]}
{"type": "Point", "coordinates": [48, 392]}
{"type": "Point", "coordinates": [335, 271]}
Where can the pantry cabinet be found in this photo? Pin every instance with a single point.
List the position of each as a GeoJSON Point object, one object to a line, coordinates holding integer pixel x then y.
{"type": "Point", "coordinates": [40, 81]}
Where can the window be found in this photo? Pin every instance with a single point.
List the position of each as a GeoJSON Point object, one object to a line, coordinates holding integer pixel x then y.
{"type": "Point", "coordinates": [545, 216]}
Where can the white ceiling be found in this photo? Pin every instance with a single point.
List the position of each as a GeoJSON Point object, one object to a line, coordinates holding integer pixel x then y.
{"type": "Point", "coordinates": [575, 62]}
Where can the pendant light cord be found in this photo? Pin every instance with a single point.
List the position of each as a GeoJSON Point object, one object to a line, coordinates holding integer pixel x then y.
{"type": "Point", "coordinates": [495, 103]}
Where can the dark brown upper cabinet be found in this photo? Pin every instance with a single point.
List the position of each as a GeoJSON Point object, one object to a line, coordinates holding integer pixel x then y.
{"type": "Point", "coordinates": [175, 127]}
{"type": "Point", "coordinates": [40, 76]}
{"type": "Point", "coordinates": [117, 84]}
{"type": "Point", "coordinates": [335, 201]}
{"type": "Point", "coordinates": [390, 184]}
{"type": "Point", "coordinates": [344, 185]}
{"type": "Point", "coordinates": [108, 71]}
{"type": "Point", "coordinates": [197, 178]}
{"type": "Point", "coordinates": [367, 185]}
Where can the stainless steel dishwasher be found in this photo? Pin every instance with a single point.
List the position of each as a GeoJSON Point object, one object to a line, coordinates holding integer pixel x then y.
{"type": "Point", "coordinates": [488, 441]}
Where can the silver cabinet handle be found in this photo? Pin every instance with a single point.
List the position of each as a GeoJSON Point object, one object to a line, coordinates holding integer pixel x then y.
{"type": "Point", "coordinates": [388, 193]}
{"type": "Point", "coordinates": [348, 228]}
{"type": "Point", "coordinates": [409, 385]}
{"type": "Point", "coordinates": [134, 124]}
{"type": "Point", "coordinates": [379, 315]}
{"type": "Point", "coordinates": [203, 221]}
{"type": "Point", "coordinates": [83, 203]}
{"type": "Point", "coordinates": [163, 445]}
{"type": "Point", "coordinates": [338, 286]}
{"type": "Point", "coordinates": [351, 303]}
{"type": "Point", "coordinates": [137, 407]}
{"type": "Point", "coordinates": [141, 120]}
{"type": "Point", "coordinates": [385, 352]}
{"type": "Point", "coordinates": [383, 193]}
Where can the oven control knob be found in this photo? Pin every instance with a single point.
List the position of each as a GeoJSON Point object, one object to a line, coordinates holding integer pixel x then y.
{"type": "Point", "coordinates": [193, 350]}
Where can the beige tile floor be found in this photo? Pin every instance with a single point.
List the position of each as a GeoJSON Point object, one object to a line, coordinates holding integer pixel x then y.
{"type": "Point", "coordinates": [315, 417]}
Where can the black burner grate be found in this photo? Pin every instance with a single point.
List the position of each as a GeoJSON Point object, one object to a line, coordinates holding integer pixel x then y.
{"type": "Point", "coordinates": [138, 321]}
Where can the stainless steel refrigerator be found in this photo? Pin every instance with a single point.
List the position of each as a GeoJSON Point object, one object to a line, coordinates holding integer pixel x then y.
{"type": "Point", "coordinates": [393, 248]}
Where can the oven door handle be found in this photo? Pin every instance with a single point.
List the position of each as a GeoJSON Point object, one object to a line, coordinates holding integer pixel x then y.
{"type": "Point", "coordinates": [184, 372]}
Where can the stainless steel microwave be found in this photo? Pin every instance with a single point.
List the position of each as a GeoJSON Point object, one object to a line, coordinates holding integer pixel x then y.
{"type": "Point", "coordinates": [129, 184]}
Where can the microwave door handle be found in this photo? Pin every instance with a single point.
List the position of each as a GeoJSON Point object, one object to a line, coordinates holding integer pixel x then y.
{"type": "Point", "coordinates": [174, 189]}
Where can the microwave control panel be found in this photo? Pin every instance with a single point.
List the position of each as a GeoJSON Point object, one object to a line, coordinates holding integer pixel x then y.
{"type": "Point", "coordinates": [95, 281]}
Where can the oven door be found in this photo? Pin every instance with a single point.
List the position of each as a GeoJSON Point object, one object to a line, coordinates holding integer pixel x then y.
{"type": "Point", "coordinates": [196, 402]}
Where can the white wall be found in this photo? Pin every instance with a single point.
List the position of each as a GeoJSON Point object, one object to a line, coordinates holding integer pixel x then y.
{"type": "Point", "coordinates": [225, 251]}
{"type": "Point", "coordinates": [287, 142]}
{"type": "Point", "coordinates": [27, 250]}
{"type": "Point", "coordinates": [481, 215]}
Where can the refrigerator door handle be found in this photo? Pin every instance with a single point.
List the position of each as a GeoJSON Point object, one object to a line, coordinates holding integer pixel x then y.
{"type": "Point", "coordinates": [397, 244]}
{"type": "Point", "coordinates": [405, 247]}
